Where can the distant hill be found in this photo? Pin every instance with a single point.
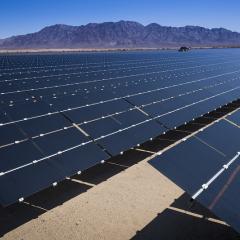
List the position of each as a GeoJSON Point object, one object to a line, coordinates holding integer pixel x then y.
{"type": "Point", "coordinates": [122, 34]}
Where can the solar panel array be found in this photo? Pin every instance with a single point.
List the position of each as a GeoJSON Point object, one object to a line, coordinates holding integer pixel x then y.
{"type": "Point", "coordinates": [61, 114]}
{"type": "Point", "coordinates": [207, 166]}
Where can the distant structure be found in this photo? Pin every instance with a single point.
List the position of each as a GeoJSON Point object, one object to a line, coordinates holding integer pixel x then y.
{"type": "Point", "coordinates": [183, 49]}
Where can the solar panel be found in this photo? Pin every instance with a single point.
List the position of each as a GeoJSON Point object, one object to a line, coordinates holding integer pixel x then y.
{"type": "Point", "coordinates": [207, 167]}
{"type": "Point", "coordinates": [26, 110]}
{"type": "Point", "coordinates": [129, 137]}
{"type": "Point", "coordinates": [221, 133]}
{"type": "Point", "coordinates": [37, 126]}
{"type": "Point", "coordinates": [10, 134]}
{"type": "Point", "coordinates": [81, 115]}
{"type": "Point", "coordinates": [235, 118]}
{"type": "Point", "coordinates": [75, 110]}
{"type": "Point", "coordinates": [28, 180]}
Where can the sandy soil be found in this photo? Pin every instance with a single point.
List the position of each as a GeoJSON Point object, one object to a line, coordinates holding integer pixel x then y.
{"type": "Point", "coordinates": [76, 50]}
{"type": "Point", "coordinates": [119, 200]}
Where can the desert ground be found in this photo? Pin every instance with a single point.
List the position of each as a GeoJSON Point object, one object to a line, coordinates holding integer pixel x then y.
{"type": "Point", "coordinates": [60, 50]}
{"type": "Point", "coordinates": [125, 198]}
{"type": "Point", "coordinates": [69, 50]}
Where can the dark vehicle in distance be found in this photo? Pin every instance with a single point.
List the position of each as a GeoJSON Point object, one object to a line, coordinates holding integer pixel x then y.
{"type": "Point", "coordinates": [183, 49]}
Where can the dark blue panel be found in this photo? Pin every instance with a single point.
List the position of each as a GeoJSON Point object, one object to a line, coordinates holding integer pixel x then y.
{"type": "Point", "coordinates": [10, 134]}
{"type": "Point", "coordinates": [3, 118]}
{"type": "Point", "coordinates": [8, 98]}
{"type": "Point", "coordinates": [77, 100]}
{"type": "Point", "coordinates": [222, 196]}
{"type": "Point", "coordinates": [26, 181]}
{"type": "Point", "coordinates": [34, 127]}
{"type": "Point", "coordinates": [189, 164]}
{"type": "Point", "coordinates": [79, 159]}
{"type": "Point", "coordinates": [180, 117]}
{"type": "Point", "coordinates": [97, 111]}
{"type": "Point", "coordinates": [65, 102]}
{"type": "Point", "coordinates": [162, 94]}
{"type": "Point", "coordinates": [230, 90]}
{"type": "Point", "coordinates": [198, 160]}
{"type": "Point", "coordinates": [26, 110]}
{"type": "Point", "coordinates": [235, 117]}
{"type": "Point", "coordinates": [17, 155]}
{"type": "Point", "coordinates": [87, 78]}
{"type": "Point", "coordinates": [101, 127]}
{"type": "Point", "coordinates": [164, 107]}
{"type": "Point", "coordinates": [211, 104]}
{"type": "Point", "coordinates": [114, 123]}
{"type": "Point", "coordinates": [60, 141]}
{"type": "Point", "coordinates": [219, 135]}
{"type": "Point", "coordinates": [124, 140]}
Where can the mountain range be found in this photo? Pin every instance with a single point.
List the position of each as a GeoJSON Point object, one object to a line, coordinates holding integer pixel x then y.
{"type": "Point", "coordinates": [122, 34]}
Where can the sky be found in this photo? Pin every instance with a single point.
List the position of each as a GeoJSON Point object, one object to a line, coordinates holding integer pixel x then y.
{"type": "Point", "coordinates": [26, 16]}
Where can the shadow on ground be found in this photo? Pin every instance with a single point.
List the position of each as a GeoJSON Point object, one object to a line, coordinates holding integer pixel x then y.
{"type": "Point", "coordinates": [17, 214]}
{"type": "Point", "coordinates": [179, 221]}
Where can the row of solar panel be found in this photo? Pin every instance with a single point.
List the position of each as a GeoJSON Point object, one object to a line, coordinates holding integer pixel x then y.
{"type": "Point", "coordinates": [66, 151]}
{"type": "Point", "coordinates": [68, 133]}
{"type": "Point", "coordinates": [114, 111]}
{"type": "Point", "coordinates": [102, 74]}
{"type": "Point", "coordinates": [37, 61]}
{"type": "Point", "coordinates": [210, 162]}
{"type": "Point", "coordinates": [119, 87]}
{"type": "Point", "coordinates": [113, 70]}
{"type": "Point", "coordinates": [102, 67]}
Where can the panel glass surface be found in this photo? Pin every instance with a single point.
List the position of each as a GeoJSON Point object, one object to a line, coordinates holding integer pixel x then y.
{"type": "Point", "coordinates": [200, 160]}
{"type": "Point", "coordinates": [235, 118]}
{"type": "Point", "coordinates": [219, 135]}
{"type": "Point", "coordinates": [43, 95]}
{"type": "Point", "coordinates": [181, 163]}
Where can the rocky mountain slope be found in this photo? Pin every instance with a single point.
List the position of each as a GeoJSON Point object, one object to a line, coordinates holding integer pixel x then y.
{"type": "Point", "coordinates": [122, 34]}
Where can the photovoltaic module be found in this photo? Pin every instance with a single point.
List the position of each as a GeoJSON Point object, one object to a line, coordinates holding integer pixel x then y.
{"type": "Point", "coordinates": [61, 114]}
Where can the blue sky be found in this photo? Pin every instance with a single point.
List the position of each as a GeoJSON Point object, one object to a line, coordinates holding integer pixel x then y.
{"type": "Point", "coordinates": [25, 16]}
